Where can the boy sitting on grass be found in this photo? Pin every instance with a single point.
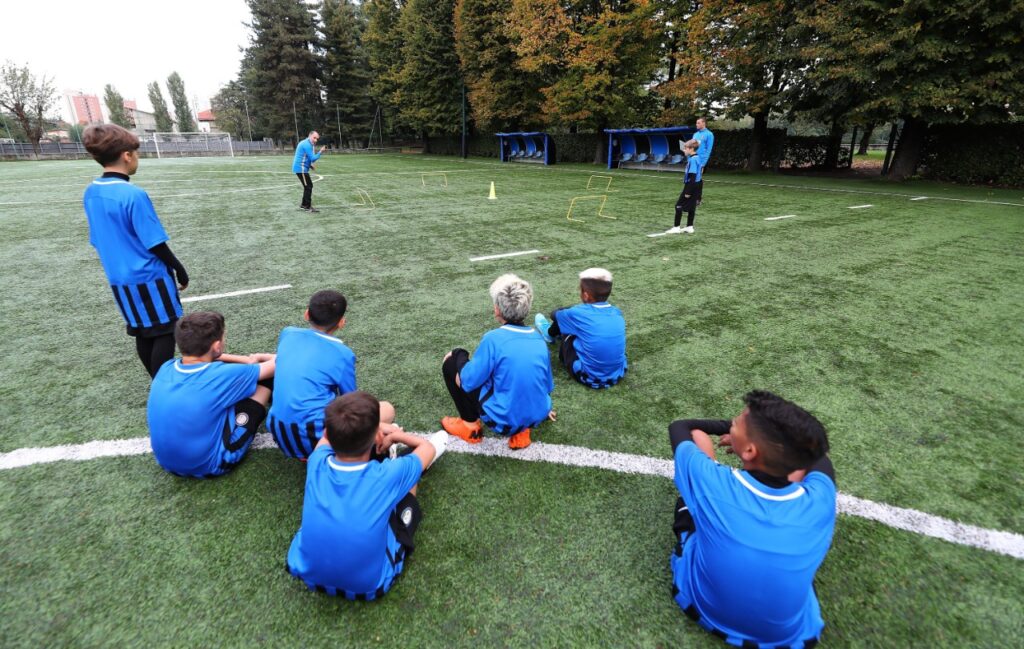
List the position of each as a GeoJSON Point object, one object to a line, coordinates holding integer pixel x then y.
{"type": "Point", "coordinates": [204, 408]}
{"type": "Point", "coordinates": [508, 382]}
{"type": "Point", "coordinates": [359, 515]}
{"type": "Point", "coordinates": [313, 367]}
{"type": "Point", "coordinates": [750, 541]}
{"type": "Point", "coordinates": [593, 334]}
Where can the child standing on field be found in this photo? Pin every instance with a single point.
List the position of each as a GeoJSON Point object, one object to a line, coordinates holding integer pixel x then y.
{"type": "Point", "coordinates": [693, 187]}
{"type": "Point", "coordinates": [132, 246]}
{"type": "Point", "coordinates": [359, 515]}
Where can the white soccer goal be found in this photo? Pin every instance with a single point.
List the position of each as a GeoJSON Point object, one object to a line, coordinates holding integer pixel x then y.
{"type": "Point", "coordinates": [192, 144]}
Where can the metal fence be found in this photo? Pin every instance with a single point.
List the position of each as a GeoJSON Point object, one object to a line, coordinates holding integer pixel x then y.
{"type": "Point", "coordinates": [148, 148]}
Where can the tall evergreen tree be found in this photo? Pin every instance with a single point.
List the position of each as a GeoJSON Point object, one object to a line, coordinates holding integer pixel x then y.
{"type": "Point", "coordinates": [182, 111]}
{"type": "Point", "coordinates": [281, 69]}
{"type": "Point", "coordinates": [429, 94]}
{"type": "Point", "coordinates": [164, 123]}
{"type": "Point", "coordinates": [346, 70]}
{"type": "Point", "coordinates": [502, 95]}
{"type": "Point", "coordinates": [383, 44]}
{"type": "Point", "coordinates": [115, 107]}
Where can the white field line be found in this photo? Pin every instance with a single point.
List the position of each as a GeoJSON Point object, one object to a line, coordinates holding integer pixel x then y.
{"type": "Point", "coordinates": [657, 234]}
{"type": "Point", "coordinates": [217, 296]}
{"type": "Point", "coordinates": [919, 198]}
{"type": "Point", "coordinates": [910, 520]}
{"type": "Point", "coordinates": [505, 254]}
{"type": "Point", "coordinates": [859, 207]}
{"type": "Point", "coordinates": [776, 218]}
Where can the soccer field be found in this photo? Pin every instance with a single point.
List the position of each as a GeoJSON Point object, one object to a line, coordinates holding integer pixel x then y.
{"type": "Point", "coordinates": [892, 312]}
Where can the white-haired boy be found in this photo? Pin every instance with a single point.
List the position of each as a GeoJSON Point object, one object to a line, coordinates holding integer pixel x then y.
{"type": "Point", "coordinates": [507, 383]}
{"type": "Point", "coordinates": [593, 334]}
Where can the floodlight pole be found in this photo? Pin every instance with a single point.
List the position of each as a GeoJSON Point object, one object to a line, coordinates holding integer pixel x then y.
{"type": "Point", "coordinates": [337, 111]}
{"type": "Point", "coordinates": [464, 152]}
{"type": "Point", "coordinates": [248, 122]}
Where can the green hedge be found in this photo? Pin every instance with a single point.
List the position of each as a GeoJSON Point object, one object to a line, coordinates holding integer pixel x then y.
{"type": "Point", "coordinates": [990, 155]}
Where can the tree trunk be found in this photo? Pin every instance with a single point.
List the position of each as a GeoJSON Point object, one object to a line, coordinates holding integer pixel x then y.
{"type": "Point", "coordinates": [601, 144]}
{"type": "Point", "coordinates": [865, 139]}
{"type": "Point", "coordinates": [908, 151]}
{"type": "Point", "coordinates": [759, 144]}
{"type": "Point", "coordinates": [835, 143]}
{"type": "Point", "coordinates": [672, 51]}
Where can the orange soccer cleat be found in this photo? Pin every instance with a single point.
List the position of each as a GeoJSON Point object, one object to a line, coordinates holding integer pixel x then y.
{"type": "Point", "coordinates": [464, 430]}
{"type": "Point", "coordinates": [520, 439]}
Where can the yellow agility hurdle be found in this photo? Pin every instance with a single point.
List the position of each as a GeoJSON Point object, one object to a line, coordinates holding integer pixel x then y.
{"type": "Point", "coordinates": [607, 187]}
{"type": "Point", "coordinates": [443, 174]}
{"type": "Point", "coordinates": [364, 198]}
{"type": "Point", "coordinates": [600, 209]}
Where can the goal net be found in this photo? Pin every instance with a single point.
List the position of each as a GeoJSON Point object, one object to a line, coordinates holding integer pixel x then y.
{"type": "Point", "coordinates": [190, 144]}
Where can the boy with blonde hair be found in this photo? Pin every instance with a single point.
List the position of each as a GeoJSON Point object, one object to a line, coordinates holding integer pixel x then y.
{"type": "Point", "coordinates": [507, 384]}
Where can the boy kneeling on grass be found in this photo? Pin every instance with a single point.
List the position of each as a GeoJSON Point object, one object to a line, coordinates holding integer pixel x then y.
{"type": "Point", "coordinates": [204, 408]}
{"type": "Point", "coordinates": [593, 334]}
{"type": "Point", "coordinates": [359, 514]}
{"type": "Point", "coordinates": [750, 541]}
{"type": "Point", "coordinates": [508, 381]}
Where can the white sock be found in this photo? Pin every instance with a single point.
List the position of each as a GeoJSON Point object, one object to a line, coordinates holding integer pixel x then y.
{"type": "Point", "coordinates": [439, 441]}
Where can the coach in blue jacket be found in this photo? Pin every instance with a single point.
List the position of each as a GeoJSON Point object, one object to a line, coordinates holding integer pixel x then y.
{"type": "Point", "coordinates": [305, 156]}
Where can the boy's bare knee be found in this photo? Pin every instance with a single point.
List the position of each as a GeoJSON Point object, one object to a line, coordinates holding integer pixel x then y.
{"type": "Point", "coordinates": [261, 395]}
{"type": "Point", "coordinates": [387, 412]}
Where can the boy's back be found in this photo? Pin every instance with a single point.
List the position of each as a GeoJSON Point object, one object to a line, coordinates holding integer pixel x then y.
{"type": "Point", "coordinates": [347, 543]}
{"type": "Point", "coordinates": [512, 367]}
{"type": "Point", "coordinates": [600, 342]}
{"type": "Point", "coordinates": [312, 369]}
{"type": "Point", "coordinates": [755, 549]}
{"type": "Point", "coordinates": [191, 414]}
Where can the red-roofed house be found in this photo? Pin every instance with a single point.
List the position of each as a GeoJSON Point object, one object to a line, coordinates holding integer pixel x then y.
{"type": "Point", "coordinates": [207, 121]}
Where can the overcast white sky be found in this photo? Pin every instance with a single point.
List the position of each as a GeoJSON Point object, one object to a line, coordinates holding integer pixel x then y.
{"type": "Point", "coordinates": [85, 46]}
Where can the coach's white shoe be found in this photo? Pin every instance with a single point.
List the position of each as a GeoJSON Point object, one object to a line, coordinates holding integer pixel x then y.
{"type": "Point", "coordinates": [675, 230]}
{"type": "Point", "coordinates": [688, 229]}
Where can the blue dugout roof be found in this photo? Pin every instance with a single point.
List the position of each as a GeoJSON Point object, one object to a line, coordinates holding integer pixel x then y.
{"type": "Point", "coordinates": [641, 131]}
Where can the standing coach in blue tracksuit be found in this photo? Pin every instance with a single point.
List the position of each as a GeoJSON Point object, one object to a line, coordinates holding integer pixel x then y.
{"type": "Point", "coordinates": [305, 156]}
{"type": "Point", "coordinates": [707, 142]}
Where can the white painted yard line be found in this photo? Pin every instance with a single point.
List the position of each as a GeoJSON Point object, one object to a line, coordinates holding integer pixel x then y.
{"type": "Point", "coordinates": [910, 520]}
{"type": "Point", "coordinates": [217, 296]}
{"type": "Point", "coordinates": [505, 254]}
{"type": "Point", "coordinates": [657, 234]}
{"type": "Point", "coordinates": [919, 198]}
{"type": "Point", "coordinates": [776, 218]}
{"type": "Point", "coordinates": [859, 207]}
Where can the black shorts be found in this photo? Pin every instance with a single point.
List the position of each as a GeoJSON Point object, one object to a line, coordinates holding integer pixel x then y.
{"type": "Point", "coordinates": [405, 518]}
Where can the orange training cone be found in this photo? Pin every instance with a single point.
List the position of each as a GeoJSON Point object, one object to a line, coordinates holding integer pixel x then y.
{"type": "Point", "coordinates": [493, 196]}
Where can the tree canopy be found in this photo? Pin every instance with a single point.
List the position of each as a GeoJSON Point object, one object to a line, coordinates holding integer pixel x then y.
{"type": "Point", "coordinates": [27, 98]}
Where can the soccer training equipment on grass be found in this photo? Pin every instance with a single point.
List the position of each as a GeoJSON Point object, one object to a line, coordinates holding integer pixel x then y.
{"type": "Point", "coordinates": [180, 145]}
{"type": "Point", "coordinates": [492, 196]}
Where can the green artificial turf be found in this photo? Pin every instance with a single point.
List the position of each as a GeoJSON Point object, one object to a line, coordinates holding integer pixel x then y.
{"type": "Point", "coordinates": [898, 325]}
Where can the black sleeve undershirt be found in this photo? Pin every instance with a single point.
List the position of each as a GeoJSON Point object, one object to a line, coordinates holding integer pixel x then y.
{"type": "Point", "coordinates": [164, 254]}
{"type": "Point", "coordinates": [681, 431]}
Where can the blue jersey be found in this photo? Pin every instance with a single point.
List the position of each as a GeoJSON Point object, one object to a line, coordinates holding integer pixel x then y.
{"type": "Point", "coordinates": [600, 342]}
{"type": "Point", "coordinates": [512, 368]}
{"type": "Point", "coordinates": [191, 416]}
{"type": "Point", "coordinates": [693, 166]}
{"type": "Point", "coordinates": [123, 226]}
{"type": "Point", "coordinates": [345, 545]}
{"type": "Point", "coordinates": [312, 369]}
{"type": "Point", "coordinates": [707, 142]}
{"type": "Point", "coordinates": [749, 566]}
{"type": "Point", "coordinates": [305, 156]}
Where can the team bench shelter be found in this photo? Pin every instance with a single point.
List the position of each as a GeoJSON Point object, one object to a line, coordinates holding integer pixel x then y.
{"type": "Point", "coordinates": [527, 147]}
{"type": "Point", "coordinates": [656, 149]}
